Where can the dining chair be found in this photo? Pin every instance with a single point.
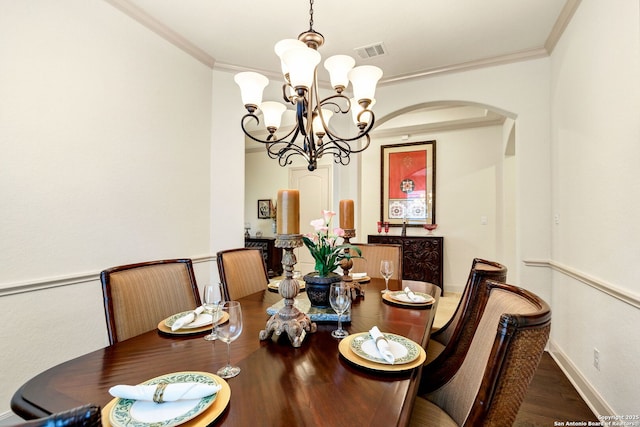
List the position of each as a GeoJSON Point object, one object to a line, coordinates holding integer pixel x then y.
{"type": "Point", "coordinates": [372, 254]}
{"type": "Point", "coordinates": [83, 416]}
{"type": "Point", "coordinates": [138, 296]}
{"type": "Point", "coordinates": [242, 272]}
{"type": "Point", "coordinates": [490, 384]}
{"type": "Point", "coordinates": [448, 345]}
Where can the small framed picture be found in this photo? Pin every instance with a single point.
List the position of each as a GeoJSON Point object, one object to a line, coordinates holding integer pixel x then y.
{"type": "Point", "coordinates": [264, 208]}
{"type": "Point", "coordinates": [408, 184]}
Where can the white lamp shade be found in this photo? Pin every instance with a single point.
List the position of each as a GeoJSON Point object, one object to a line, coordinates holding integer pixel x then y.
{"type": "Point", "coordinates": [338, 67]}
{"type": "Point", "coordinates": [364, 80]}
{"type": "Point", "coordinates": [317, 123]}
{"type": "Point", "coordinates": [251, 87]}
{"type": "Point", "coordinates": [284, 45]}
{"type": "Point", "coordinates": [357, 108]}
{"type": "Point", "coordinates": [272, 112]}
{"type": "Point", "coordinates": [301, 63]}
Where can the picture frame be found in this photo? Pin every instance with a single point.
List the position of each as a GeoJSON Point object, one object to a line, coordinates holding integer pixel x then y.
{"type": "Point", "coordinates": [408, 184]}
{"type": "Point", "coordinates": [264, 208]}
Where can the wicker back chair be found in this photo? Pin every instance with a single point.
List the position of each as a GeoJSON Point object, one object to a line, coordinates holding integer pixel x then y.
{"type": "Point", "coordinates": [82, 416]}
{"type": "Point", "coordinates": [138, 296]}
{"type": "Point", "coordinates": [372, 254]}
{"type": "Point", "coordinates": [449, 344]}
{"type": "Point", "coordinates": [242, 272]}
{"type": "Point", "coordinates": [491, 383]}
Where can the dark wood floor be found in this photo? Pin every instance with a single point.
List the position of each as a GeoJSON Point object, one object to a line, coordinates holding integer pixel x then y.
{"type": "Point", "coordinates": [551, 397]}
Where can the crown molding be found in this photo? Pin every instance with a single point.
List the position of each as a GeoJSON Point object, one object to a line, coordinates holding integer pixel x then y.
{"type": "Point", "coordinates": [162, 30]}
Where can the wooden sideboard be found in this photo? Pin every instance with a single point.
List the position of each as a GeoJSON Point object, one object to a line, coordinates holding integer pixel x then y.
{"type": "Point", "coordinates": [272, 255]}
{"type": "Point", "coordinates": [422, 256]}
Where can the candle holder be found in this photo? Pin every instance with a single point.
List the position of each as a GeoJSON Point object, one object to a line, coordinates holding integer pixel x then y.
{"type": "Point", "coordinates": [289, 319]}
{"type": "Point", "coordinates": [346, 264]}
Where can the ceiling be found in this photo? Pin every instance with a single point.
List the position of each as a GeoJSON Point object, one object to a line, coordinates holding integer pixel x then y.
{"type": "Point", "coordinates": [420, 37]}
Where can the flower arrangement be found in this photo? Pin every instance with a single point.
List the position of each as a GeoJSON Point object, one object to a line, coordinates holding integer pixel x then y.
{"type": "Point", "coordinates": [324, 247]}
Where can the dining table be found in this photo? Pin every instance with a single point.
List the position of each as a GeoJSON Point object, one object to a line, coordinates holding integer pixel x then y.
{"type": "Point", "coordinates": [279, 384]}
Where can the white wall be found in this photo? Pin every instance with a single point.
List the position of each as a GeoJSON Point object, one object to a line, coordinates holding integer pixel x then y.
{"type": "Point", "coordinates": [104, 142]}
{"type": "Point", "coordinates": [596, 182]}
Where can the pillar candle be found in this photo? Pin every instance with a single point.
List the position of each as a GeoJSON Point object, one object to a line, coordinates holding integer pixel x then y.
{"type": "Point", "coordinates": [288, 215]}
{"type": "Point", "coordinates": [346, 215]}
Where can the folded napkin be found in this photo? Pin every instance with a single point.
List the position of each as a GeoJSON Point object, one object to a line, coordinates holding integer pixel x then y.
{"type": "Point", "coordinates": [186, 319]}
{"type": "Point", "coordinates": [382, 344]}
{"type": "Point", "coordinates": [358, 275]}
{"type": "Point", "coordinates": [413, 297]}
{"type": "Point", "coordinates": [164, 392]}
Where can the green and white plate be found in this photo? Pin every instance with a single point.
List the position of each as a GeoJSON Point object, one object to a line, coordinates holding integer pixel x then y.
{"type": "Point", "coordinates": [203, 319]}
{"type": "Point", "coordinates": [138, 413]}
{"type": "Point", "coordinates": [403, 297]}
{"type": "Point", "coordinates": [403, 349]}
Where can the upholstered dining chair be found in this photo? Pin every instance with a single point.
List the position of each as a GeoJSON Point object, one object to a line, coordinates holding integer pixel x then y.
{"type": "Point", "coordinates": [449, 344]}
{"type": "Point", "coordinates": [490, 384]}
{"type": "Point", "coordinates": [83, 416]}
{"type": "Point", "coordinates": [372, 254]}
{"type": "Point", "coordinates": [138, 296]}
{"type": "Point", "coordinates": [242, 272]}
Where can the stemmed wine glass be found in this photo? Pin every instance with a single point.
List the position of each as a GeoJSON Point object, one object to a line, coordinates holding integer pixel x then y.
{"type": "Point", "coordinates": [386, 269]}
{"type": "Point", "coordinates": [212, 297]}
{"type": "Point", "coordinates": [230, 331]}
{"type": "Point", "coordinates": [340, 300]}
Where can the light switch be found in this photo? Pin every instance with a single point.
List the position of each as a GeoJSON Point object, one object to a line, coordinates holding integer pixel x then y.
{"type": "Point", "coordinates": [483, 220]}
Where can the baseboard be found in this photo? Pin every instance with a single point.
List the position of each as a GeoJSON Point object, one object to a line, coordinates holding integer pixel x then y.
{"type": "Point", "coordinates": [589, 394]}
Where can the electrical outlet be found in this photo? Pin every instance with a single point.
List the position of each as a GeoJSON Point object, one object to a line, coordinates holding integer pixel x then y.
{"type": "Point", "coordinates": [556, 219]}
{"type": "Point", "coordinates": [596, 359]}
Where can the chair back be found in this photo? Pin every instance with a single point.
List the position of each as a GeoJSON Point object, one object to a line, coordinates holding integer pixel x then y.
{"type": "Point", "coordinates": [82, 416]}
{"type": "Point", "coordinates": [242, 272]}
{"type": "Point", "coordinates": [491, 382]}
{"type": "Point", "coordinates": [481, 271]}
{"type": "Point", "coordinates": [372, 254]}
{"type": "Point", "coordinates": [138, 296]}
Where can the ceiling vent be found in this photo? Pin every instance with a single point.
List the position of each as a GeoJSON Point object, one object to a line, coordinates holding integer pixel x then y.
{"type": "Point", "coordinates": [371, 51]}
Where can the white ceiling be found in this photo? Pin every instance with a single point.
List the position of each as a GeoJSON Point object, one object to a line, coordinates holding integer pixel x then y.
{"type": "Point", "coordinates": [421, 37]}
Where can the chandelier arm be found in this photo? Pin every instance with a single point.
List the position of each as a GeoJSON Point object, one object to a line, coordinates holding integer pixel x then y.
{"type": "Point", "coordinates": [363, 133]}
{"type": "Point", "coordinates": [338, 109]}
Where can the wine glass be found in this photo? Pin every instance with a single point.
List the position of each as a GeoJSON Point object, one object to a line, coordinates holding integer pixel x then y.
{"type": "Point", "coordinates": [228, 332]}
{"type": "Point", "coordinates": [212, 297]}
{"type": "Point", "coordinates": [340, 300]}
{"type": "Point", "coordinates": [386, 269]}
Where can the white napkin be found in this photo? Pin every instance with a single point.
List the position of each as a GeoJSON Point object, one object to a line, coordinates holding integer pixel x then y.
{"type": "Point", "coordinates": [172, 392]}
{"type": "Point", "coordinates": [186, 319]}
{"type": "Point", "coordinates": [382, 344]}
{"type": "Point", "coordinates": [413, 297]}
{"type": "Point", "coordinates": [358, 275]}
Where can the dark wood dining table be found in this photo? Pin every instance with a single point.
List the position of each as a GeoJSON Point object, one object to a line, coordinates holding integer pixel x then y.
{"type": "Point", "coordinates": [312, 385]}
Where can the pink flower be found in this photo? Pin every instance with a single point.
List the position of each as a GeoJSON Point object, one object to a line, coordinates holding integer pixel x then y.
{"type": "Point", "coordinates": [338, 232]}
{"type": "Point", "coordinates": [327, 215]}
{"type": "Point", "coordinates": [319, 224]}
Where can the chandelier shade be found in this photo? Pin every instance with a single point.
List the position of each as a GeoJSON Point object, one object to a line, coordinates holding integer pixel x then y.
{"type": "Point", "coordinates": [252, 85]}
{"type": "Point", "coordinates": [338, 67]}
{"type": "Point", "coordinates": [311, 137]}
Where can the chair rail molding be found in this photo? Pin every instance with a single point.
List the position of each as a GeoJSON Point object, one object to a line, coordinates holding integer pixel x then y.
{"type": "Point", "coordinates": [72, 279]}
{"type": "Point", "coordinates": [609, 289]}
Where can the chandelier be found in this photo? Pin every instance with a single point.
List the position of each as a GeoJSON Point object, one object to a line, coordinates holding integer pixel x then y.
{"type": "Point", "coordinates": [311, 136]}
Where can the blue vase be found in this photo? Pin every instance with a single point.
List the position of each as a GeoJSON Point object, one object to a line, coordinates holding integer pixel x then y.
{"type": "Point", "coordinates": [317, 288]}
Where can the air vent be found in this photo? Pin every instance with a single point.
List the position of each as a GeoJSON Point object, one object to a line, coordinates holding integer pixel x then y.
{"type": "Point", "coordinates": [371, 51]}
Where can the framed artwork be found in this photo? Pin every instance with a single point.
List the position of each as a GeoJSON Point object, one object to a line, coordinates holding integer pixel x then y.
{"type": "Point", "coordinates": [408, 184]}
{"type": "Point", "coordinates": [264, 208]}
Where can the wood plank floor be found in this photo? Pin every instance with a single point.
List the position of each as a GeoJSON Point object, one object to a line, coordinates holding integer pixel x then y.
{"type": "Point", "coordinates": [551, 397]}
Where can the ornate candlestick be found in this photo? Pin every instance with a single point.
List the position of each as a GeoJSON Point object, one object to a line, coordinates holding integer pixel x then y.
{"type": "Point", "coordinates": [346, 264]}
{"type": "Point", "coordinates": [289, 319]}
